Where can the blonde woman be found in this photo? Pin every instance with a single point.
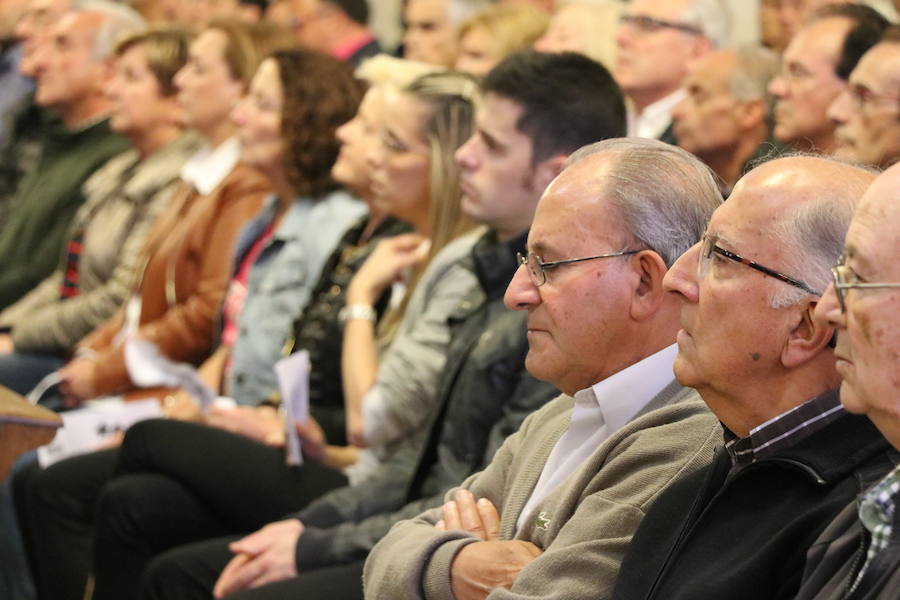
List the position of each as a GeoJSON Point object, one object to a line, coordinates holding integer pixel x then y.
{"type": "Point", "coordinates": [495, 33]}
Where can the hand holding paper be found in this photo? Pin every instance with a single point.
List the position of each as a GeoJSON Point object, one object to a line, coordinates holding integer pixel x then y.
{"type": "Point", "coordinates": [147, 367]}
{"type": "Point", "coordinates": [293, 382]}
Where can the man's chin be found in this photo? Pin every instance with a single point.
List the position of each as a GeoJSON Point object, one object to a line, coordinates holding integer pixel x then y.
{"type": "Point", "coordinates": [537, 366]}
{"type": "Point", "coordinates": [851, 399]}
{"type": "Point", "coordinates": [469, 205]}
{"type": "Point", "coordinates": [684, 371]}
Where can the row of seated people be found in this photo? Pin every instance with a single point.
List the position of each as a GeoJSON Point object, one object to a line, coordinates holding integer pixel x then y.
{"type": "Point", "coordinates": [426, 196]}
{"type": "Point", "coordinates": [405, 251]}
{"type": "Point", "coordinates": [716, 104]}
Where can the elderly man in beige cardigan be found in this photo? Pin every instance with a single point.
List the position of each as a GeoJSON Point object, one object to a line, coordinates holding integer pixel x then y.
{"type": "Point", "coordinates": [552, 515]}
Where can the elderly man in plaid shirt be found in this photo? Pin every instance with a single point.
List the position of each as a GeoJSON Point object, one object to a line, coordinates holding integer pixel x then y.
{"type": "Point", "coordinates": [858, 555]}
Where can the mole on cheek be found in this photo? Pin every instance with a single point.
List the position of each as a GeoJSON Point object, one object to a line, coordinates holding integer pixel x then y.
{"type": "Point", "coordinates": [755, 356]}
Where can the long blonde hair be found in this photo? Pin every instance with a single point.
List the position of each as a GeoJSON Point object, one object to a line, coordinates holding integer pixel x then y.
{"type": "Point", "coordinates": [452, 98]}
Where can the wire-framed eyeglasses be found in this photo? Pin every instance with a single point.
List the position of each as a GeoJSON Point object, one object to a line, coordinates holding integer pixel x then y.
{"type": "Point", "coordinates": [537, 268]}
{"type": "Point", "coordinates": [647, 24]}
{"type": "Point", "coordinates": [709, 246]}
{"type": "Point", "coordinates": [842, 273]}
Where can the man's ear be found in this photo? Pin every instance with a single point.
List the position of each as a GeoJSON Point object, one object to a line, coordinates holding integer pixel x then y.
{"type": "Point", "coordinates": [106, 69]}
{"type": "Point", "coordinates": [807, 338]}
{"type": "Point", "coordinates": [547, 170]}
{"type": "Point", "coordinates": [648, 293]}
{"type": "Point", "coordinates": [751, 113]}
{"type": "Point", "coordinates": [699, 50]}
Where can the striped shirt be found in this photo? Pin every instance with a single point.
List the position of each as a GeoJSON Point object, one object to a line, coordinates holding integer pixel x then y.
{"type": "Point", "coordinates": [785, 430]}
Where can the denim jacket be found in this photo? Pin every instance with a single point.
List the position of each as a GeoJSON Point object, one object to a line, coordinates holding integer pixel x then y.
{"type": "Point", "coordinates": [280, 283]}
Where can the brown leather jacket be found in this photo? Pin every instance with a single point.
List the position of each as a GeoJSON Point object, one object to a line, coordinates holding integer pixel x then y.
{"type": "Point", "coordinates": [187, 268]}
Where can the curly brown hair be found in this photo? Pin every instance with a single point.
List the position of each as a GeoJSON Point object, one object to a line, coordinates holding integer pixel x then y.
{"type": "Point", "coordinates": [320, 94]}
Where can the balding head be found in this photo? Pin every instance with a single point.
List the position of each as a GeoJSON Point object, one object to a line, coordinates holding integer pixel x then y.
{"type": "Point", "coordinates": [749, 343]}
{"type": "Point", "coordinates": [808, 222]}
{"type": "Point", "coordinates": [623, 207]}
{"type": "Point", "coordinates": [868, 327]}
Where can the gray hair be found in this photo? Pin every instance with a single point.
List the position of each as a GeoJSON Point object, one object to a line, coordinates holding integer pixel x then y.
{"type": "Point", "coordinates": [460, 10]}
{"type": "Point", "coordinates": [664, 194]}
{"type": "Point", "coordinates": [813, 233]}
{"type": "Point", "coordinates": [119, 22]}
{"type": "Point", "coordinates": [712, 18]}
{"type": "Point", "coordinates": [754, 68]}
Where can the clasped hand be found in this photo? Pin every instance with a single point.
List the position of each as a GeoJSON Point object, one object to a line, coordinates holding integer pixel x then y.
{"type": "Point", "coordinates": [491, 563]}
{"type": "Point", "coordinates": [265, 556]}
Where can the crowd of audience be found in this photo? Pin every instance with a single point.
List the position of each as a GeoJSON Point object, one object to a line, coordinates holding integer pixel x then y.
{"type": "Point", "coordinates": [596, 300]}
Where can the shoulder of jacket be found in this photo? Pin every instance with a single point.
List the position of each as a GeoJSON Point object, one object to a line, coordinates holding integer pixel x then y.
{"type": "Point", "coordinates": [247, 179]}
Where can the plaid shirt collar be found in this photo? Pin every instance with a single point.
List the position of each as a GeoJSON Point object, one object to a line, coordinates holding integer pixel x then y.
{"type": "Point", "coordinates": [876, 511]}
{"type": "Point", "coordinates": [785, 430]}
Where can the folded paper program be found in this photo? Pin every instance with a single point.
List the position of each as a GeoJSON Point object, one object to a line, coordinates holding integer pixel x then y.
{"type": "Point", "coordinates": [147, 367]}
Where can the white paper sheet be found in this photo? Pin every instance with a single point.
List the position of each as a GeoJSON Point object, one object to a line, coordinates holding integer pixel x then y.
{"type": "Point", "coordinates": [293, 382]}
{"type": "Point", "coordinates": [147, 367]}
{"type": "Point", "coordinates": [85, 429]}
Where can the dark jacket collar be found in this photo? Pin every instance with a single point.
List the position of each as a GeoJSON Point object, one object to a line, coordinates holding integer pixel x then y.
{"type": "Point", "coordinates": [495, 262]}
{"type": "Point", "coordinates": [835, 451]}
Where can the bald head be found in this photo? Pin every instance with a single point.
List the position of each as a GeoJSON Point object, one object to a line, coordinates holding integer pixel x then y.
{"type": "Point", "coordinates": [749, 345]}
{"type": "Point", "coordinates": [867, 324]}
{"type": "Point", "coordinates": [804, 204]}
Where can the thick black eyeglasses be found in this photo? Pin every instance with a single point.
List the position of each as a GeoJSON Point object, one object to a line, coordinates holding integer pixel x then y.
{"type": "Point", "coordinates": [646, 24]}
{"type": "Point", "coordinates": [840, 274]}
{"type": "Point", "coordinates": [537, 268]}
{"type": "Point", "coordinates": [709, 247]}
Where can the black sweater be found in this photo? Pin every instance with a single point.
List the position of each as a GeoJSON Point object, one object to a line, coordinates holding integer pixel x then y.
{"type": "Point", "coordinates": [743, 533]}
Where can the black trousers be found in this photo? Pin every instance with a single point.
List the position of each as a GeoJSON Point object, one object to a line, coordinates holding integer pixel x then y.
{"type": "Point", "coordinates": [171, 483]}
{"type": "Point", "coordinates": [190, 572]}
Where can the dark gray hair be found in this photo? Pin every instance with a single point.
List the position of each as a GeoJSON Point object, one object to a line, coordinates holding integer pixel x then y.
{"type": "Point", "coordinates": [664, 195]}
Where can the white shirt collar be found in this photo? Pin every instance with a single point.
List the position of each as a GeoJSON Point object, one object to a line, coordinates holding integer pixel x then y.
{"type": "Point", "coordinates": [599, 412]}
{"type": "Point", "coordinates": [654, 120]}
{"type": "Point", "coordinates": [622, 395]}
{"type": "Point", "coordinates": [209, 166]}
